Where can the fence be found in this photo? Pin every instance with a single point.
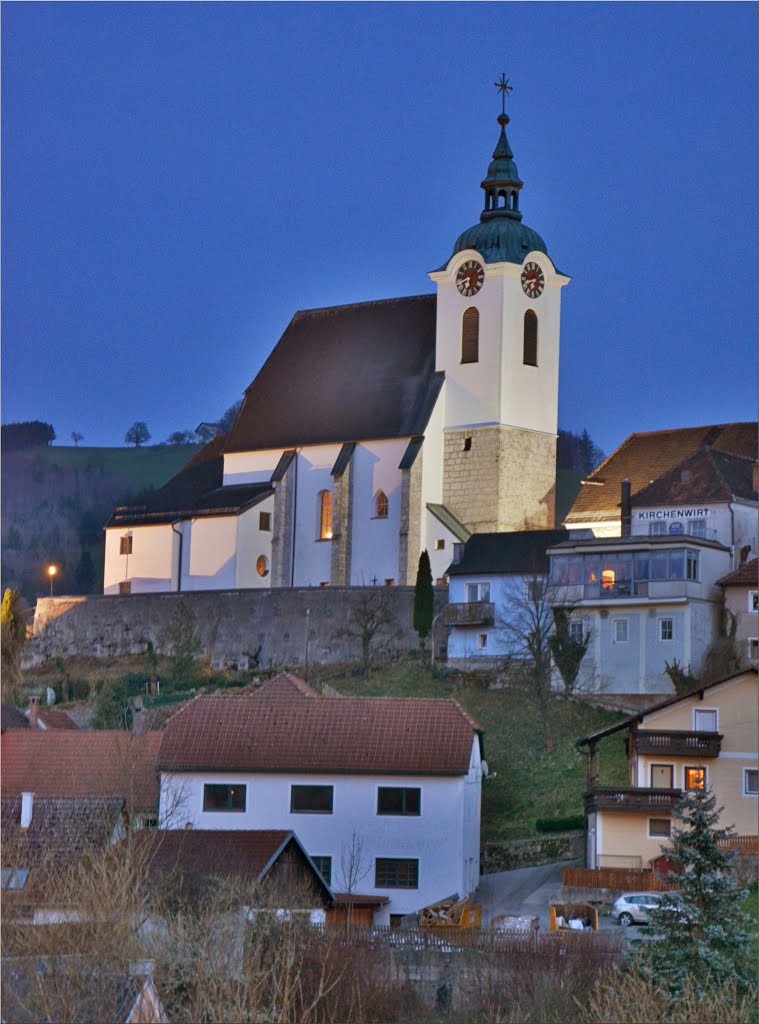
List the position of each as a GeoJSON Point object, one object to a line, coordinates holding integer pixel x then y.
{"type": "Point", "coordinates": [450, 940]}
{"type": "Point", "coordinates": [747, 845]}
{"type": "Point", "coordinates": [636, 879]}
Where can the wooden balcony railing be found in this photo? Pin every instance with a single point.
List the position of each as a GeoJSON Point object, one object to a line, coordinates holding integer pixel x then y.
{"type": "Point", "coordinates": [473, 613]}
{"type": "Point", "coordinates": [678, 743]}
{"type": "Point", "coordinates": [646, 801]}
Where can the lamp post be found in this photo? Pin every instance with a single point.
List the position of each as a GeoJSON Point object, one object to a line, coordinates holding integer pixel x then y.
{"type": "Point", "coordinates": [51, 571]}
{"type": "Point", "coordinates": [432, 634]}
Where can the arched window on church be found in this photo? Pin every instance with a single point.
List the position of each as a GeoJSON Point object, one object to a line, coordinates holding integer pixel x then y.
{"type": "Point", "coordinates": [470, 335]}
{"type": "Point", "coordinates": [381, 505]}
{"type": "Point", "coordinates": [325, 515]}
{"type": "Point", "coordinates": [530, 339]}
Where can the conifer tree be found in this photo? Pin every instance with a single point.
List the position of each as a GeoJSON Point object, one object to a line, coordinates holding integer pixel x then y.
{"type": "Point", "coordinates": [424, 598]}
{"type": "Point", "coordinates": [704, 934]}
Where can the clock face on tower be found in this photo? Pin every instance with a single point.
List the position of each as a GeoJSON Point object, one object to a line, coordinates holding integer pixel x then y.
{"type": "Point", "coordinates": [470, 277]}
{"type": "Point", "coordinates": [533, 281]}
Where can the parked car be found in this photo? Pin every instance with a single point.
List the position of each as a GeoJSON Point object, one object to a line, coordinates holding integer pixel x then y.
{"type": "Point", "coordinates": [633, 907]}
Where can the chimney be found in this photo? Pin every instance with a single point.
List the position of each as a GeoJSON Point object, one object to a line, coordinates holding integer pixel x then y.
{"type": "Point", "coordinates": [27, 804]}
{"type": "Point", "coordinates": [34, 712]}
{"type": "Point", "coordinates": [626, 509]}
{"type": "Point", "coordinates": [138, 717]}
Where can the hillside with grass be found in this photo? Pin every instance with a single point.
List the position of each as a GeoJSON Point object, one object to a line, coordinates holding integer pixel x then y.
{"type": "Point", "coordinates": [55, 502]}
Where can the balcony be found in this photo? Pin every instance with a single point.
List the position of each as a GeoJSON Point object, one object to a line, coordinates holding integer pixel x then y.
{"type": "Point", "coordinates": [677, 743]}
{"type": "Point", "coordinates": [635, 801]}
{"type": "Point", "coordinates": [471, 613]}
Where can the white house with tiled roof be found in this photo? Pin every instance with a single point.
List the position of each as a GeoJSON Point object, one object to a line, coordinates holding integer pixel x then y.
{"type": "Point", "coordinates": [383, 793]}
{"type": "Point", "coordinates": [741, 597]}
{"type": "Point", "coordinates": [376, 430]}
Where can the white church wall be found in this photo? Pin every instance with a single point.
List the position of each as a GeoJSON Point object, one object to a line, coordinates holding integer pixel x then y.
{"type": "Point", "coordinates": [208, 558]}
{"type": "Point", "coordinates": [252, 544]}
{"type": "Point", "coordinates": [148, 568]}
{"type": "Point", "coordinates": [312, 555]}
{"type": "Point", "coordinates": [374, 552]}
{"type": "Point", "coordinates": [250, 467]}
{"type": "Point", "coordinates": [436, 535]}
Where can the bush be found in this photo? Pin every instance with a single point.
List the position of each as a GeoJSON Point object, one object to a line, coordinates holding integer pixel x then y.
{"type": "Point", "coordinates": [571, 822]}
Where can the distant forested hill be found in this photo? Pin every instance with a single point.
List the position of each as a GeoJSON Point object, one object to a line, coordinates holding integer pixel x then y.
{"type": "Point", "coordinates": [55, 502]}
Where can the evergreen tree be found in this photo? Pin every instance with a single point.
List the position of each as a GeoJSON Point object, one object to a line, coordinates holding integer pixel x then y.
{"type": "Point", "coordinates": [424, 598]}
{"type": "Point", "coordinates": [705, 937]}
{"type": "Point", "coordinates": [13, 640]}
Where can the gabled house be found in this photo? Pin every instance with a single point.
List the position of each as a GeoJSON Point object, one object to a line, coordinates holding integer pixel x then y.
{"type": "Point", "coordinates": [491, 588]}
{"type": "Point", "coordinates": [383, 793]}
{"type": "Point", "coordinates": [741, 597]}
{"type": "Point", "coordinates": [704, 738]}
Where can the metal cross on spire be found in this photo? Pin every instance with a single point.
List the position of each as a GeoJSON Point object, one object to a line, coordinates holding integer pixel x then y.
{"type": "Point", "coordinates": [503, 87]}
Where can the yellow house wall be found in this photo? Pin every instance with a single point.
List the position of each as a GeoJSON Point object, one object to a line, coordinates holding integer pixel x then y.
{"type": "Point", "coordinates": [623, 840]}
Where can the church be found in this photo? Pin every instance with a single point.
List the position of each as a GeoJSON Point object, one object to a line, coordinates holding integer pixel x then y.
{"type": "Point", "coordinates": [375, 431]}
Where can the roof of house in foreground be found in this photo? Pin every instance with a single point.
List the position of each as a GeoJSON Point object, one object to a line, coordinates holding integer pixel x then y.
{"type": "Point", "coordinates": [81, 763]}
{"type": "Point", "coordinates": [282, 727]}
{"type": "Point", "coordinates": [747, 575]}
{"type": "Point", "coordinates": [644, 457]}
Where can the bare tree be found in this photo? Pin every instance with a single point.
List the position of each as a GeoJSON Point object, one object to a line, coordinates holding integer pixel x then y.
{"type": "Point", "coordinates": [372, 623]}
{"type": "Point", "coordinates": [76, 437]}
{"type": "Point", "coordinates": [137, 434]}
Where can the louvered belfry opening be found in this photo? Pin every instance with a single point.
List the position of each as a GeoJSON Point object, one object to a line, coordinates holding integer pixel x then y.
{"type": "Point", "coordinates": [470, 335]}
{"type": "Point", "coordinates": [530, 339]}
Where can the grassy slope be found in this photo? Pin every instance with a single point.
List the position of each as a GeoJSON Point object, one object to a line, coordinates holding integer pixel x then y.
{"type": "Point", "coordinates": [529, 782]}
{"type": "Point", "coordinates": [146, 466]}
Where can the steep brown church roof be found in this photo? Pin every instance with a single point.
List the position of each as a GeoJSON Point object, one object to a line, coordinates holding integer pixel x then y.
{"type": "Point", "coordinates": [279, 728]}
{"type": "Point", "coordinates": [643, 458]}
{"type": "Point", "coordinates": [345, 373]}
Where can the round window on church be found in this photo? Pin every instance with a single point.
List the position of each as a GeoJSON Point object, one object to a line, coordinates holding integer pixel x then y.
{"type": "Point", "coordinates": [262, 565]}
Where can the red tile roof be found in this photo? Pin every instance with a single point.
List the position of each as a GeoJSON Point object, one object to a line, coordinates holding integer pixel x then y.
{"type": "Point", "coordinates": [707, 475]}
{"type": "Point", "coordinates": [56, 718]}
{"type": "Point", "coordinates": [746, 576]}
{"type": "Point", "coordinates": [643, 458]}
{"type": "Point", "coordinates": [82, 763]}
{"type": "Point", "coordinates": [60, 828]}
{"type": "Point", "coordinates": [278, 728]}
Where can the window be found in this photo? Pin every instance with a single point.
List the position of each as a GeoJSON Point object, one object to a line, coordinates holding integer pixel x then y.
{"type": "Point", "coordinates": [534, 590]}
{"type": "Point", "coordinates": [125, 587]}
{"type": "Point", "coordinates": [753, 648]}
{"type": "Point", "coordinates": [530, 353]}
{"type": "Point", "coordinates": [659, 828]}
{"type": "Point", "coordinates": [657, 529]}
{"type": "Point", "coordinates": [458, 551]}
{"type": "Point", "coordinates": [666, 629]}
{"type": "Point", "coordinates": [439, 544]}
{"type": "Point", "coordinates": [751, 781]}
{"type": "Point", "coordinates": [441, 581]}
{"type": "Point", "coordinates": [482, 640]}
{"type": "Point", "coordinates": [311, 799]}
{"type": "Point", "coordinates": [470, 335]}
{"type": "Point", "coordinates": [404, 800]}
{"type": "Point", "coordinates": [695, 778]}
{"type": "Point", "coordinates": [395, 873]}
{"type": "Point", "coordinates": [576, 633]}
{"type": "Point", "coordinates": [705, 721]}
{"type": "Point", "coordinates": [620, 631]}
{"type": "Point", "coordinates": [661, 776]}
{"type": "Point", "coordinates": [14, 878]}
{"type": "Point", "coordinates": [264, 521]}
{"type": "Point", "coordinates": [325, 515]}
{"type": "Point", "coordinates": [262, 565]}
{"type": "Point", "coordinates": [324, 867]}
{"type": "Point", "coordinates": [753, 601]}
{"type": "Point", "coordinates": [125, 547]}
{"type": "Point", "coordinates": [390, 582]}
{"type": "Point", "coordinates": [381, 505]}
{"type": "Point", "coordinates": [224, 798]}
{"type": "Point", "coordinates": [324, 583]}
{"type": "Point", "coordinates": [697, 528]}
{"type": "Point", "coordinates": [477, 592]}
{"type": "Point", "coordinates": [691, 565]}
{"type": "Point", "coordinates": [467, 444]}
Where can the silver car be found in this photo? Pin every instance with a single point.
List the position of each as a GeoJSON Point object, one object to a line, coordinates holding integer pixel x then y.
{"type": "Point", "coordinates": [633, 907]}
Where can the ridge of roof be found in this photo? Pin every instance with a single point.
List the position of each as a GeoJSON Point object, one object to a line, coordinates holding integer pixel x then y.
{"type": "Point", "coordinates": [316, 310]}
{"type": "Point", "coordinates": [745, 575]}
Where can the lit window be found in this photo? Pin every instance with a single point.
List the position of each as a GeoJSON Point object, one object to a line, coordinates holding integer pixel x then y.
{"type": "Point", "coordinates": [381, 505]}
{"type": "Point", "coordinates": [224, 798]}
{"type": "Point", "coordinates": [311, 799]}
{"type": "Point", "coordinates": [470, 335]}
{"type": "Point", "coordinates": [325, 515]}
{"type": "Point", "coordinates": [608, 576]}
{"type": "Point", "coordinates": [530, 351]}
{"type": "Point", "coordinates": [396, 873]}
{"type": "Point", "coordinates": [390, 582]}
{"type": "Point", "coordinates": [659, 828]}
{"type": "Point", "coordinates": [439, 544]}
{"type": "Point", "coordinates": [751, 781]}
{"type": "Point", "coordinates": [399, 800]}
{"type": "Point", "coordinates": [262, 565]}
{"type": "Point", "coordinates": [666, 629]}
{"type": "Point", "coordinates": [125, 547]}
{"type": "Point", "coordinates": [125, 587]}
{"type": "Point", "coordinates": [324, 867]}
{"type": "Point", "coordinates": [620, 631]}
{"type": "Point", "coordinates": [705, 721]}
{"type": "Point", "coordinates": [695, 778]}
{"type": "Point", "coordinates": [264, 521]}
{"type": "Point", "coordinates": [324, 583]}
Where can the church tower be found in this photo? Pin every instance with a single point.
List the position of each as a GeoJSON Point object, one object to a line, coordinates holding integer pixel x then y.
{"type": "Point", "coordinates": [498, 305]}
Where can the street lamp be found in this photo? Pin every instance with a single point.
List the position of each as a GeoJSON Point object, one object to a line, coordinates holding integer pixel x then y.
{"type": "Point", "coordinates": [51, 571]}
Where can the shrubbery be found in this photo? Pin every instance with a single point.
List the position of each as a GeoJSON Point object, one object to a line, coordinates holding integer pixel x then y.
{"type": "Point", "coordinates": [570, 823]}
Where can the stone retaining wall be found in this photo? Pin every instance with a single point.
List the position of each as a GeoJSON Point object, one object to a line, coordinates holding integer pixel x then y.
{"type": "Point", "coordinates": [237, 628]}
{"type": "Point", "coordinates": [522, 853]}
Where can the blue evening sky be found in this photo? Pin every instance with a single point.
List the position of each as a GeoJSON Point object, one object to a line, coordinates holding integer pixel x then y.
{"type": "Point", "coordinates": [179, 179]}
